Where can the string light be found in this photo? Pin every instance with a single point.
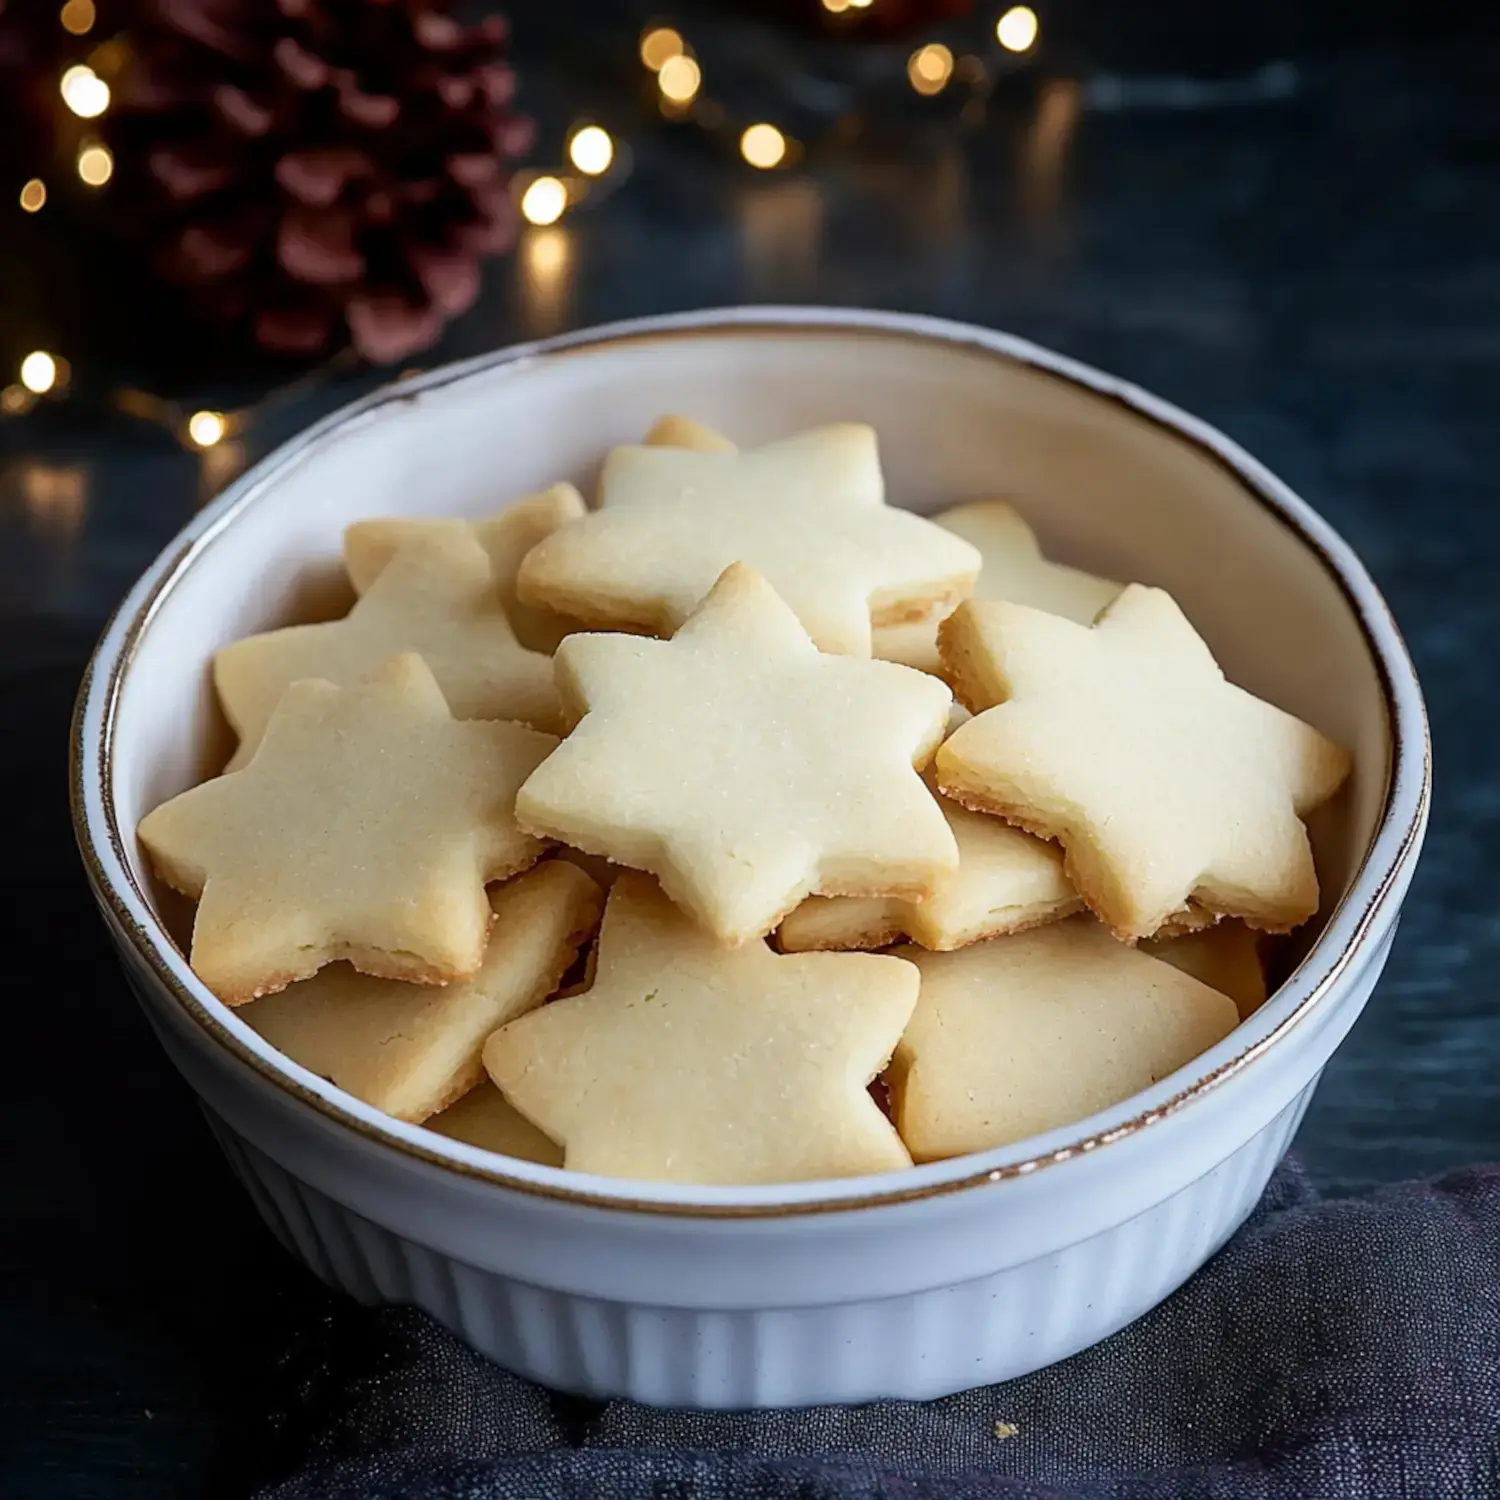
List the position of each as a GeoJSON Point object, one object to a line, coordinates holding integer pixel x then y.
{"type": "Point", "coordinates": [78, 17]}
{"type": "Point", "coordinates": [1017, 29]}
{"type": "Point", "coordinates": [929, 68]}
{"type": "Point", "coordinates": [591, 150]}
{"type": "Point", "coordinates": [206, 428]}
{"type": "Point", "coordinates": [659, 46]}
{"type": "Point", "coordinates": [679, 79]}
{"type": "Point", "coordinates": [39, 372]}
{"type": "Point", "coordinates": [34, 195]}
{"type": "Point", "coordinates": [96, 164]}
{"type": "Point", "coordinates": [544, 201]}
{"type": "Point", "coordinates": [763, 146]}
{"type": "Point", "coordinates": [84, 92]}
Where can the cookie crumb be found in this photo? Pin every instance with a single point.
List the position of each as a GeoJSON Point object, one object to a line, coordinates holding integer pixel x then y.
{"type": "Point", "coordinates": [1005, 1430]}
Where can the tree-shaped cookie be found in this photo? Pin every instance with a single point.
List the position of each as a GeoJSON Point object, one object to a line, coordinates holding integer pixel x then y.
{"type": "Point", "coordinates": [437, 597]}
{"type": "Point", "coordinates": [365, 828]}
{"type": "Point", "coordinates": [412, 1049]}
{"type": "Point", "coordinates": [506, 537]}
{"type": "Point", "coordinates": [808, 513]}
{"type": "Point", "coordinates": [1006, 881]}
{"type": "Point", "coordinates": [743, 767]}
{"type": "Point", "coordinates": [688, 1062]}
{"type": "Point", "coordinates": [1162, 781]}
{"type": "Point", "coordinates": [1026, 1033]}
{"type": "Point", "coordinates": [1013, 568]}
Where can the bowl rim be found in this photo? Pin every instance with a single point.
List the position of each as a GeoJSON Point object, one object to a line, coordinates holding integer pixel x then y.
{"type": "Point", "coordinates": [1365, 908]}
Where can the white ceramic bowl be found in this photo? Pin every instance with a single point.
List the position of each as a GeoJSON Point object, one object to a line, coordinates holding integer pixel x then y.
{"type": "Point", "coordinates": [910, 1285]}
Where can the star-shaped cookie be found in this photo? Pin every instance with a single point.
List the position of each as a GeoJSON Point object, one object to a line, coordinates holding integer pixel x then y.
{"type": "Point", "coordinates": [437, 597]}
{"type": "Point", "coordinates": [1006, 881]}
{"type": "Point", "coordinates": [1022, 1034]}
{"type": "Point", "coordinates": [412, 1049]}
{"type": "Point", "coordinates": [365, 828]}
{"type": "Point", "coordinates": [483, 1118]}
{"type": "Point", "coordinates": [742, 767]}
{"type": "Point", "coordinates": [1013, 568]}
{"type": "Point", "coordinates": [506, 537]}
{"type": "Point", "coordinates": [1162, 781]}
{"type": "Point", "coordinates": [688, 1062]}
{"type": "Point", "coordinates": [807, 512]}
{"type": "Point", "coordinates": [1226, 957]}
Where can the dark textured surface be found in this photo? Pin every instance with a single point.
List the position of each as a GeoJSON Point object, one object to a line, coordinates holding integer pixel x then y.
{"type": "Point", "coordinates": [1318, 274]}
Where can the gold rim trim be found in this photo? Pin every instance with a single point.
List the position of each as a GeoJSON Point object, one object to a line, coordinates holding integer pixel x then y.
{"type": "Point", "coordinates": [819, 322]}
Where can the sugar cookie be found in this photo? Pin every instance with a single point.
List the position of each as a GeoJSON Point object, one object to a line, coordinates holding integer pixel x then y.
{"type": "Point", "coordinates": [483, 1118]}
{"type": "Point", "coordinates": [506, 537]}
{"type": "Point", "coordinates": [742, 767]}
{"type": "Point", "coordinates": [412, 1049]}
{"type": "Point", "coordinates": [436, 597]}
{"type": "Point", "coordinates": [673, 431]}
{"type": "Point", "coordinates": [688, 1062]}
{"type": "Point", "coordinates": [1022, 1034]}
{"type": "Point", "coordinates": [807, 512]}
{"type": "Point", "coordinates": [1006, 881]}
{"type": "Point", "coordinates": [1162, 781]}
{"type": "Point", "coordinates": [1013, 568]}
{"type": "Point", "coordinates": [1225, 957]}
{"type": "Point", "coordinates": [364, 828]}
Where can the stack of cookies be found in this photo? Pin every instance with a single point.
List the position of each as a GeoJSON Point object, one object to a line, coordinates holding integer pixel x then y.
{"type": "Point", "coordinates": [649, 839]}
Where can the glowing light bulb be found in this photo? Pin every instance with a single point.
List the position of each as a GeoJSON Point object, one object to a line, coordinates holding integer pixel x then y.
{"type": "Point", "coordinates": [679, 79]}
{"type": "Point", "coordinates": [84, 92]}
{"type": "Point", "coordinates": [544, 201]}
{"type": "Point", "coordinates": [763, 146]}
{"type": "Point", "coordinates": [591, 150]}
{"type": "Point", "coordinates": [207, 427]}
{"type": "Point", "coordinates": [929, 68]}
{"type": "Point", "coordinates": [78, 17]}
{"type": "Point", "coordinates": [39, 372]}
{"type": "Point", "coordinates": [659, 46]}
{"type": "Point", "coordinates": [34, 195]}
{"type": "Point", "coordinates": [1017, 29]}
{"type": "Point", "coordinates": [96, 165]}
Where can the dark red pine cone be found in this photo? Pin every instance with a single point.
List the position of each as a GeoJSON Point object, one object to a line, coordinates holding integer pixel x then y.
{"type": "Point", "coordinates": [319, 171]}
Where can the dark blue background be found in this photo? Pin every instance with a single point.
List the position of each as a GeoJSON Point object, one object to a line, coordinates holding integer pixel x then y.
{"type": "Point", "coordinates": [1318, 274]}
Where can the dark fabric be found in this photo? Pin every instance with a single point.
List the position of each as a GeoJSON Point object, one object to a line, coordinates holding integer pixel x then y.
{"type": "Point", "coordinates": [1344, 1349]}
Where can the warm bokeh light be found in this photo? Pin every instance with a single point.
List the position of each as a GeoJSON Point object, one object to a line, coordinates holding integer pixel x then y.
{"type": "Point", "coordinates": [929, 68]}
{"type": "Point", "coordinates": [860, 4]}
{"type": "Point", "coordinates": [763, 146]}
{"type": "Point", "coordinates": [835, 6]}
{"type": "Point", "coordinates": [544, 201]}
{"type": "Point", "coordinates": [34, 195]}
{"type": "Point", "coordinates": [679, 79]}
{"type": "Point", "coordinates": [84, 92]}
{"type": "Point", "coordinates": [591, 150]}
{"type": "Point", "coordinates": [15, 399]}
{"type": "Point", "coordinates": [39, 372]}
{"type": "Point", "coordinates": [96, 165]}
{"type": "Point", "coordinates": [78, 17]}
{"type": "Point", "coordinates": [659, 46]}
{"type": "Point", "coordinates": [206, 427]}
{"type": "Point", "coordinates": [1017, 29]}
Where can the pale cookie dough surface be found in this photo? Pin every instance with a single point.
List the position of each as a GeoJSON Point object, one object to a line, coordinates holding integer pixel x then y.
{"type": "Point", "coordinates": [1012, 568]}
{"type": "Point", "coordinates": [1023, 1034]}
{"type": "Point", "coordinates": [412, 1049]}
{"type": "Point", "coordinates": [1006, 881]}
{"type": "Point", "coordinates": [483, 1118]}
{"type": "Point", "coordinates": [808, 513]}
{"type": "Point", "coordinates": [436, 597]}
{"type": "Point", "coordinates": [506, 538]}
{"type": "Point", "coordinates": [744, 768]}
{"type": "Point", "coordinates": [1162, 781]}
{"type": "Point", "coordinates": [688, 1062]}
{"type": "Point", "coordinates": [673, 431]}
{"type": "Point", "coordinates": [364, 828]}
{"type": "Point", "coordinates": [1227, 958]}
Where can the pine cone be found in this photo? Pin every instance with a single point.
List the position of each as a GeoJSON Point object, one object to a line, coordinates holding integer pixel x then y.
{"type": "Point", "coordinates": [319, 171]}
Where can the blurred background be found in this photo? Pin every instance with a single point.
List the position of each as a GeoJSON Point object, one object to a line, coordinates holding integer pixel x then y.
{"type": "Point", "coordinates": [220, 219]}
